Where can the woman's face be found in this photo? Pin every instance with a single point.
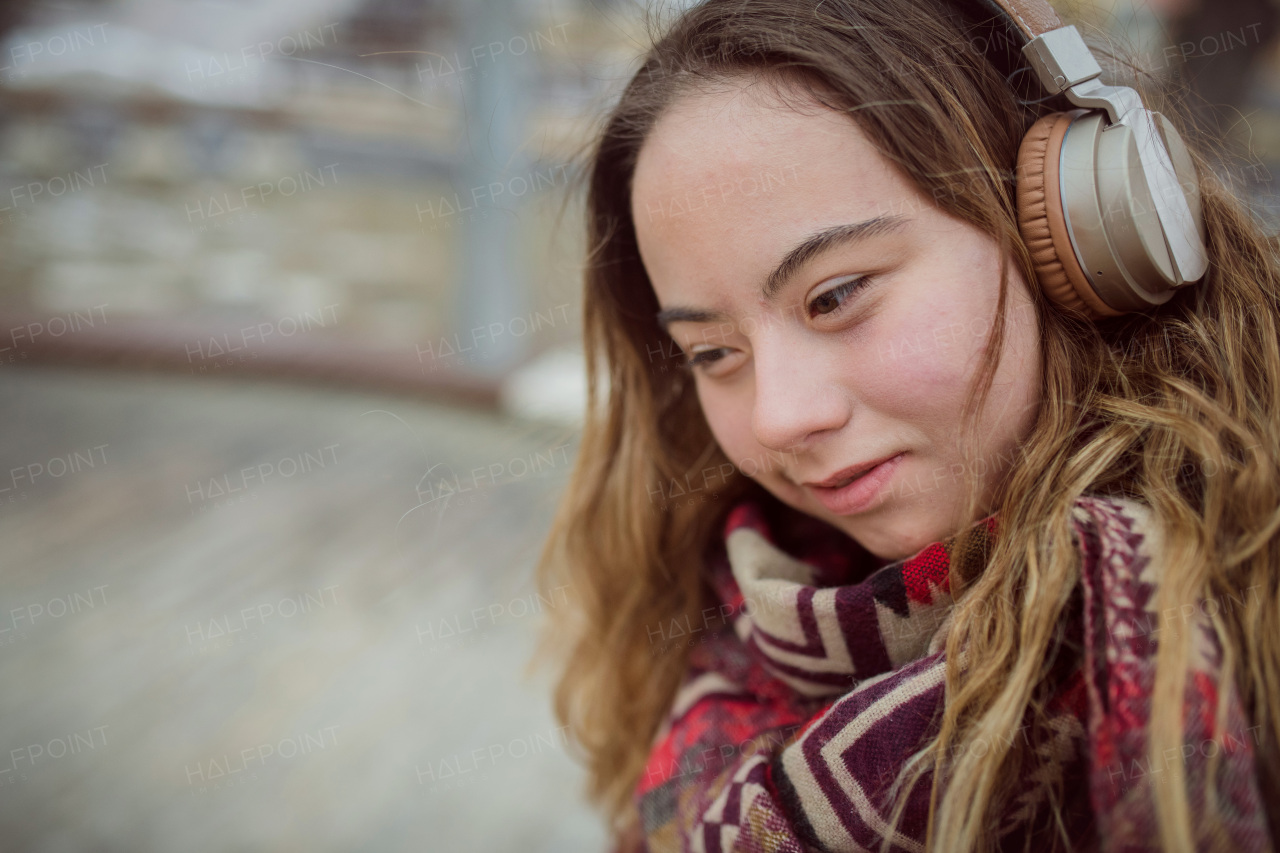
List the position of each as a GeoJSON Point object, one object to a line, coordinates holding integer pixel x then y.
{"type": "Point", "coordinates": [838, 315]}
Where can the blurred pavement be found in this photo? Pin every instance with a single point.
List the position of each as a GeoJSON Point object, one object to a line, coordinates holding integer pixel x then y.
{"type": "Point", "coordinates": [237, 616]}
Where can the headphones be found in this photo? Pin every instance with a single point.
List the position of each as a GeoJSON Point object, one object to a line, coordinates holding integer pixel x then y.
{"type": "Point", "coordinates": [1107, 194]}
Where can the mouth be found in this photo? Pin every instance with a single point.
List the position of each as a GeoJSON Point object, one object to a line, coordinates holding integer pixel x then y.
{"type": "Point", "coordinates": [856, 488]}
{"type": "Point", "coordinates": [845, 476]}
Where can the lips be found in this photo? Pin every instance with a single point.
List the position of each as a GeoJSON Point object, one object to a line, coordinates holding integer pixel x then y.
{"type": "Point", "coordinates": [845, 475]}
{"type": "Point", "coordinates": [869, 486]}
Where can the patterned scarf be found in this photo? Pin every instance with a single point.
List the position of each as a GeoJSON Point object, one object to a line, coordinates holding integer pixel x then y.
{"type": "Point", "coordinates": [818, 675]}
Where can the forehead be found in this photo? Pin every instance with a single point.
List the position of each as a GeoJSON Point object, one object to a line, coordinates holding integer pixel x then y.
{"type": "Point", "coordinates": [731, 178]}
{"type": "Point", "coordinates": [748, 140]}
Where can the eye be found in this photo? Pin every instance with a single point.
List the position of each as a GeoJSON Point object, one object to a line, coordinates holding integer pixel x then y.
{"type": "Point", "coordinates": [832, 301]}
{"type": "Point", "coordinates": [701, 358]}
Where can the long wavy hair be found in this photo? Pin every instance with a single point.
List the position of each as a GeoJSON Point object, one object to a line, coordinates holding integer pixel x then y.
{"type": "Point", "coordinates": [1178, 409]}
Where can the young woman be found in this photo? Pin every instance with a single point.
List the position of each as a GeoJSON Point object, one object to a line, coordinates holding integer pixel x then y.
{"type": "Point", "coordinates": [874, 544]}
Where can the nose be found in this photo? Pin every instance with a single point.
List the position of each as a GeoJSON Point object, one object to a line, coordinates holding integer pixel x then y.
{"type": "Point", "coordinates": [798, 395]}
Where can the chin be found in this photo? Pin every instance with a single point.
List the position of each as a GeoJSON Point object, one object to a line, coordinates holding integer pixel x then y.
{"type": "Point", "coordinates": [888, 534]}
{"type": "Point", "coordinates": [889, 539]}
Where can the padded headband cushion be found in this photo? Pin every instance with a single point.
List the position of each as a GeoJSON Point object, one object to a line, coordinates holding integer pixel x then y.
{"type": "Point", "coordinates": [1033, 17]}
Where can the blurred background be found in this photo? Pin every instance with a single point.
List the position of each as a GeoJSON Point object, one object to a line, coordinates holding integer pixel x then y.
{"type": "Point", "coordinates": [290, 369]}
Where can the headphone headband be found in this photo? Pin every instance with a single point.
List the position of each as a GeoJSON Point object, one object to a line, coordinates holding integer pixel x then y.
{"type": "Point", "coordinates": [1032, 17]}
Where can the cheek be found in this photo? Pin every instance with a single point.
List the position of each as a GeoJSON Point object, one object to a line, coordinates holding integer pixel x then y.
{"type": "Point", "coordinates": [931, 338]}
{"type": "Point", "coordinates": [1019, 377]}
{"type": "Point", "coordinates": [729, 417]}
{"type": "Point", "coordinates": [729, 421]}
{"type": "Point", "coordinates": [925, 363]}
{"type": "Point", "coordinates": [924, 359]}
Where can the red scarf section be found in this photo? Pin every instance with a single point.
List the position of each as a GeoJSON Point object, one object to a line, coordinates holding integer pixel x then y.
{"type": "Point", "coordinates": [817, 676]}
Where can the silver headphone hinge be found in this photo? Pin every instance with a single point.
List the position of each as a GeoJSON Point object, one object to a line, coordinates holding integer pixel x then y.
{"type": "Point", "coordinates": [1061, 59]}
{"type": "Point", "coordinates": [1064, 63]}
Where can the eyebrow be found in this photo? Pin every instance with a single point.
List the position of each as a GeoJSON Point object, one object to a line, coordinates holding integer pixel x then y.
{"type": "Point", "coordinates": [813, 246]}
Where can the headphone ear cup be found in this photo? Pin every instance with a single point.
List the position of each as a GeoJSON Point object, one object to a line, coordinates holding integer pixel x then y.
{"type": "Point", "coordinates": [1043, 224]}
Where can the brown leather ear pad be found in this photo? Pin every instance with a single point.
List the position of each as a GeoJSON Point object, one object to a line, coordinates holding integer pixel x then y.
{"type": "Point", "coordinates": [1042, 223]}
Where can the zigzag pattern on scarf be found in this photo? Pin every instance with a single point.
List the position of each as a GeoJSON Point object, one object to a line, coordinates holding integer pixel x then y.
{"type": "Point", "coordinates": [791, 728]}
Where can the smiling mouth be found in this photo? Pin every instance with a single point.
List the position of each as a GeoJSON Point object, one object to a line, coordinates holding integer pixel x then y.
{"type": "Point", "coordinates": [829, 485]}
{"type": "Point", "coordinates": [848, 480]}
{"type": "Point", "coordinates": [859, 492]}
{"type": "Point", "coordinates": [840, 485]}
